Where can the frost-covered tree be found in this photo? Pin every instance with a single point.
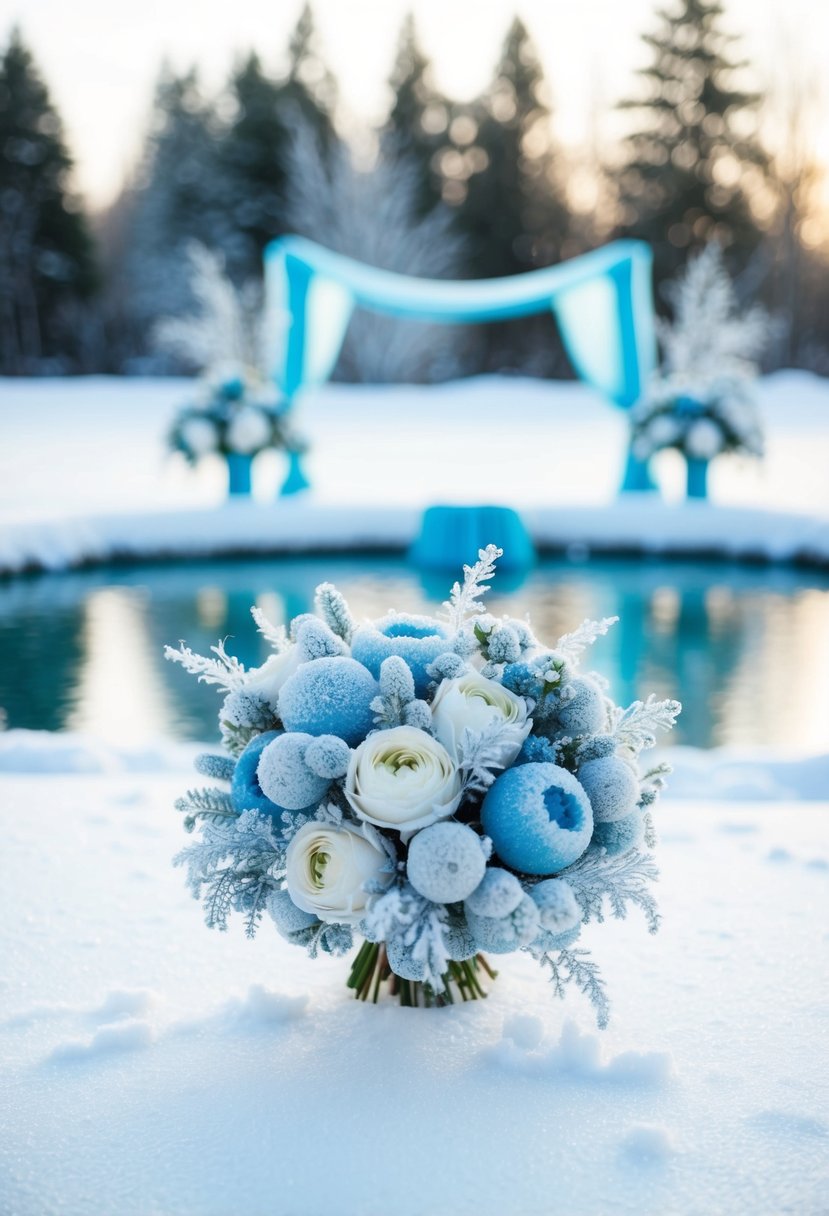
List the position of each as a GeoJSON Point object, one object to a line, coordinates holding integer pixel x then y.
{"type": "Point", "coordinates": [419, 116]}
{"type": "Point", "coordinates": [374, 216]}
{"type": "Point", "coordinates": [47, 264]}
{"type": "Point", "coordinates": [693, 159]}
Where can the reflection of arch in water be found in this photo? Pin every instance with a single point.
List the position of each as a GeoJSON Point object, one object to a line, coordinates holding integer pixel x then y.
{"type": "Point", "coordinates": [602, 302]}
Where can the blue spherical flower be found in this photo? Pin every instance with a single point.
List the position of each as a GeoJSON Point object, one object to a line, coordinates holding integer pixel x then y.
{"type": "Point", "coordinates": [445, 862]}
{"type": "Point", "coordinates": [417, 639]}
{"type": "Point", "coordinates": [586, 712]}
{"type": "Point", "coordinates": [612, 787]}
{"type": "Point", "coordinates": [620, 835]}
{"type": "Point", "coordinates": [538, 818]}
{"type": "Point", "coordinates": [246, 792]}
{"type": "Point", "coordinates": [556, 903]}
{"type": "Point", "coordinates": [329, 697]}
{"type": "Point", "coordinates": [503, 934]}
{"type": "Point", "coordinates": [284, 776]}
{"type": "Point", "coordinates": [497, 894]}
{"type": "Point", "coordinates": [287, 917]}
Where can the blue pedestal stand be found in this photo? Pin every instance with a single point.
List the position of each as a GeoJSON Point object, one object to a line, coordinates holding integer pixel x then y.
{"type": "Point", "coordinates": [238, 474]}
{"type": "Point", "coordinates": [637, 478]}
{"type": "Point", "coordinates": [451, 537]}
{"type": "Point", "coordinates": [697, 478]}
{"type": "Point", "coordinates": [295, 479]}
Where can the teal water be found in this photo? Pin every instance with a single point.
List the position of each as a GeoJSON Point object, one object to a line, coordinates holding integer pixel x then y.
{"type": "Point", "coordinates": [746, 649]}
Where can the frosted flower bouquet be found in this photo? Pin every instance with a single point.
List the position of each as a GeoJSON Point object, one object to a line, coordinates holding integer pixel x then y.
{"type": "Point", "coordinates": [701, 418]}
{"type": "Point", "coordinates": [235, 415]}
{"type": "Point", "coordinates": [443, 788]}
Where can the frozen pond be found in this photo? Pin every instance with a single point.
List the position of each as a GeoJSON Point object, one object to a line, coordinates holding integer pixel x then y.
{"type": "Point", "coordinates": [746, 649]}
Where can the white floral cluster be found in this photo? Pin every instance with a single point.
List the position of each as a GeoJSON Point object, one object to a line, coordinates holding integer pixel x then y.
{"type": "Point", "coordinates": [701, 401]}
{"type": "Point", "coordinates": [445, 787]}
{"type": "Point", "coordinates": [235, 413]}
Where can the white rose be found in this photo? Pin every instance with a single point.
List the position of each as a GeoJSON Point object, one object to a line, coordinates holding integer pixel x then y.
{"type": "Point", "coordinates": [402, 779]}
{"type": "Point", "coordinates": [199, 435]}
{"type": "Point", "coordinates": [268, 679]}
{"type": "Point", "coordinates": [326, 869]}
{"type": "Point", "coordinates": [248, 431]}
{"type": "Point", "coordinates": [473, 701]}
{"type": "Point", "coordinates": [704, 440]}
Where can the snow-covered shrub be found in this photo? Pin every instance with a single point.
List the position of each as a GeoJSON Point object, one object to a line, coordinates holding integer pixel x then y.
{"type": "Point", "coordinates": [701, 401]}
{"type": "Point", "coordinates": [476, 816]}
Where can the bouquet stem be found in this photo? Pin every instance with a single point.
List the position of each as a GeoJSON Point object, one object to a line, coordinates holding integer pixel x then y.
{"type": "Point", "coordinates": [370, 971]}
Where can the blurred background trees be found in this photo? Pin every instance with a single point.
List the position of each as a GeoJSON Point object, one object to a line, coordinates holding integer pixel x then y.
{"type": "Point", "coordinates": [442, 188]}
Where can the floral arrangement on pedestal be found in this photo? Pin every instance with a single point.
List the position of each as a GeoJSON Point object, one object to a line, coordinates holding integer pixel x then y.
{"type": "Point", "coordinates": [701, 402]}
{"type": "Point", "coordinates": [237, 413]}
{"type": "Point", "coordinates": [444, 788]}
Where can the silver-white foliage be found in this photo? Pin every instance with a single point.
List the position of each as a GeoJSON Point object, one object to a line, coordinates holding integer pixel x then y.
{"type": "Point", "coordinates": [372, 215]}
{"type": "Point", "coordinates": [599, 881]}
{"type": "Point", "coordinates": [571, 645]}
{"type": "Point", "coordinates": [635, 728]}
{"type": "Point", "coordinates": [225, 670]}
{"type": "Point", "coordinates": [464, 599]}
{"type": "Point", "coordinates": [226, 330]}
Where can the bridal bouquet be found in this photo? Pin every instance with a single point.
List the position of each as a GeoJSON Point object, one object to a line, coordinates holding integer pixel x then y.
{"type": "Point", "coordinates": [443, 788]}
{"type": "Point", "coordinates": [235, 415]}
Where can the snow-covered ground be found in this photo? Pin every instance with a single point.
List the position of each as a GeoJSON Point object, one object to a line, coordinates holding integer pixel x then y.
{"type": "Point", "coordinates": [94, 451]}
{"type": "Point", "coordinates": [150, 1066]}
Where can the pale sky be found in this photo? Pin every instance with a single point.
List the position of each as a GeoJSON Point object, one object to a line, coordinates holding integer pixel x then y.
{"type": "Point", "coordinates": [100, 57]}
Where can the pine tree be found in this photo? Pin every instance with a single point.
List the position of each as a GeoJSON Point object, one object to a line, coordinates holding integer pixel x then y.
{"type": "Point", "coordinates": [47, 266]}
{"type": "Point", "coordinates": [309, 84]}
{"type": "Point", "coordinates": [689, 164]}
{"type": "Point", "coordinates": [418, 120]}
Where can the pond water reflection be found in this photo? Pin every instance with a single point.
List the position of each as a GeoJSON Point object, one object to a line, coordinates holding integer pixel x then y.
{"type": "Point", "coordinates": [746, 649]}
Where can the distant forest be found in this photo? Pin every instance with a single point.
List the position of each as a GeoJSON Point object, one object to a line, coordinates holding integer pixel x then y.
{"type": "Point", "coordinates": [453, 190]}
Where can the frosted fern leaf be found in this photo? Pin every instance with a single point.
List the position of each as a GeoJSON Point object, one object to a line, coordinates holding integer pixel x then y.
{"type": "Point", "coordinates": [277, 635]}
{"type": "Point", "coordinates": [225, 671]}
{"type": "Point", "coordinates": [619, 882]}
{"type": "Point", "coordinates": [463, 599]}
{"type": "Point", "coordinates": [572, 644]}
{"type": "Point", "coordinates": [635, 727]}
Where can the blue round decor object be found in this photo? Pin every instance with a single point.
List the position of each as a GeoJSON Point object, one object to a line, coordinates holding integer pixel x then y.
{"type": "Point", "coordinates": [503, 934]}
{"type": "Point", "coordinates": [586, 713]}
{"type": "Point", "coordinates": [287, 917]}
{"type": "Point", "coordinates": [285, 778]}
{"type": "Point", "coordinates": [330, 697]}
{"type": "Point", "coordinates": [452, 535]}
{"type": "Point", "coordinates": [612, 787]}
{"type": "Point", "coordinates": [416, 639]}
{"type": "Point", "coordinates": [620, 835]}
{"type": "Point", "coordinates": [446, 862]}
{"type": "Point", "coordinates": [245, 791]}
{"type": "Point", "coordinates": [538, 818]}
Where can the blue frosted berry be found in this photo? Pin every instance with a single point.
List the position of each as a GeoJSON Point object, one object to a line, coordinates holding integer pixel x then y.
{"type": "Point", "coordinates": [620, 835]}
{"type": "Point", "coordinates": [330, 697]}
{"type": "Point", "coordinates": [538, 818]}
{"type": "Point", "coordinates": [417, 639]}
{"type": "Point", "coordinates": [503, 934]}
{"type": "Point", "coordinates": [287, 917]}
{"type": "Point", "coordinates": [585, 713]}
{"type": "Point", "coordinates": [556, 903]}
{"type": "Point", "coordinates": [498, 894]}
{"type": "Point", "coordinates": [612, 787]}
{"type": "Point", "coordinates": [245, 790]}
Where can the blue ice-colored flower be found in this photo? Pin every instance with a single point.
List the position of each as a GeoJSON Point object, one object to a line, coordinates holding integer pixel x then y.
{"type": "Point", "coordinates": [620, 835]}
{"type": "Point", "coordinates": [586, 711]}
{"type": "Point", "coordinates": [284, 776]}
{"type": "Point", "coordinates": [330, 697]}
{"type": "Point", "coordinates": [538, 817]}
{"type": "Point", "coordinates": [497, 894]}
{"type": "Point", "coordinates": [246, 792]}
{"type": "Point", "coordinates": [417, 639]}
{"type": "Point", "coordinates": [612, 787]}
{"type": "Point", "coordinates": [446, 862]}
{"type": "Point", "coordinates": [287, 917]}
{"type": "Point", "coordinates": [503, 934]}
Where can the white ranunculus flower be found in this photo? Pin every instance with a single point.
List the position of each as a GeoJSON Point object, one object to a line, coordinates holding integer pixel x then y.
{"type": "Point", "coordinates": [326, 869]}
{"type": "Point", "coordinates": [268, 679]}
{"type": "Point", "coordinates": [402, 779]}
{"type": "Point", "coordinates": [199, 435]}
{"type": "Point", "coordinates": [248, 431]}
{"type": "Point", "coordinates": [474, 701]}
{"type": "Point", "coordinates": [704, 440]}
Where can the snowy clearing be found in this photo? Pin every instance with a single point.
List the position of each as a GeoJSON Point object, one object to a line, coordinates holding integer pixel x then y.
{"type": "Point", "coordinates": [151, 1066]}
{"type": "Point", "coordinates": [94, 448]}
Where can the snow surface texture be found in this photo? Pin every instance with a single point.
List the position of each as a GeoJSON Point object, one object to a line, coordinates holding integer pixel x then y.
{"type": "Point", "coordinates": [112, 491]}
{"type": "Point", "coordinates": [148, 1066]}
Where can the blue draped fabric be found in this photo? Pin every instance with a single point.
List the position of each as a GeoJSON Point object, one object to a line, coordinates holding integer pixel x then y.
{"type": "Point", "coordinates": [601, 300]}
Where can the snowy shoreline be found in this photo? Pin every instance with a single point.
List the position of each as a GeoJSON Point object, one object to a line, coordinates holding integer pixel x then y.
{"type": "Point", "coordinates": [634, 525]}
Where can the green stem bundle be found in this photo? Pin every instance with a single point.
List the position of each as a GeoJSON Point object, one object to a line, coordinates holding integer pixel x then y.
{"type": "Point", "coordinates": [370, 971]}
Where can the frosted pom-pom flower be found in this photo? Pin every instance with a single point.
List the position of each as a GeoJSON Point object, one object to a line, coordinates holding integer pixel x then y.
{"type": "Point", "coordinates": [199, 435]}
{"type": "Point", "coordinates": [704, 440]}
{"type": "Point", "coordinates": [403, 779]}
{"type": "Point", "coordinates": [246, 792]}
{"type": "Point", "coordinates": [556, 903]}
{"type": "Point", "coordinates": [621, 835]}
{"type": "Point", "coordinates": [284, 776]}
{"type": "Point", "coordinates": [503, 934]}
{"type": "Point", "coordinates": [612, 787]}
{"type": "Point", "coordinates": [585, 713]}
{"type": "Point", "coordinates": [417, 639]}
{"type": "Point", "coordinates": [326, 868]}
{"type": "Point", "coordinates": [538, 818]}
{"type": "Point", "coordinates": [446, 862]}
{"type": "Point", "coordinates": [472, 701]}
{"type": "Point", "coordinates": [328, 756]}
{"type": "Point", "coordinates": [266, 681]}
{"type": "Point", "coordinates": [287, 917]}
{"type": "Point", "coordinates": [663, 431]}
{"type": "Point", "coordinates": [498, 894]}
{"type": "Point", "coordinates": [329, 697]}
{"type": "Point", "coordinates": [248, 431]}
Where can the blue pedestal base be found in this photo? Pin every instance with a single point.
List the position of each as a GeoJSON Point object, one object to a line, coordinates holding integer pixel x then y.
{"type": "Point", "coordinates": [295, 479]}
{"type": "Point", "coordinates": [697, 478]}
{"type": "Point", "coordinates": [238, 474]}
{"type": "Point", "coordinates": [637, 478]}
{"type": "Point", "coordinates": [451, 537]}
